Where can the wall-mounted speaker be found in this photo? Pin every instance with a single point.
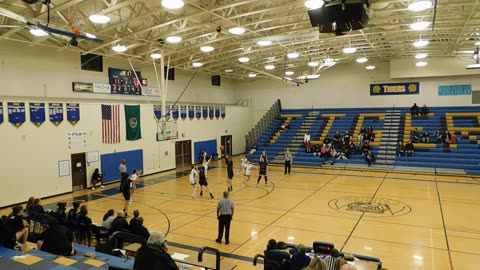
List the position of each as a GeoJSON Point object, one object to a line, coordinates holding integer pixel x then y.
{"type": "Point", "coordinates": [216, 80]}
{"type": "Point", "coordinates": [171, 73]}
{"type": "Point", "coordinates": [91, 62]}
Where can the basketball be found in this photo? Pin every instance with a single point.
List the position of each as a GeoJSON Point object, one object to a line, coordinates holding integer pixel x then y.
{"type": "Point", "coordinates": [222, 148]}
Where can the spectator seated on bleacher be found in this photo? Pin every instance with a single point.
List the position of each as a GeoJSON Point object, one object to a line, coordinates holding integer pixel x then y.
{"type": "Point", "coordinates": [119, 223]}
{"type": "Point", "coordinates": [365, 148]}
{"type": "Point", "coordinates": [154, 255]}
{"type": "Point", "coordinates": [327, 141]}
{"type": "Point", "coordinates": [370, 134]}
{"type": "Point", "coordinates": [253, 149]}
{"type": "Point", "coordinates": [342, 154]}
{"type": "Point", "coordinates": [448, 137]}
{"type": "Point", "coordinates": [60, 214]}
{"type": "Point", "coordinates": [369, 158]}
{"type": "Point", "coordinates": [300, 259]}
{"type": "Point", "coordinates": [409, 149]}
{"type": "Point", "coordinates": [282, 128]}
{"type": "Point", "coordinates": [136, 226]}
{"type": "Point", "coordinates": [275, 257]}
{"type": "Point", "coordinates": [400, 149]}
{"type": "Point", "coordinates": [72, 213]}
{"type": "Point", "coordinates": [424, 112]}
{"type": "Point", "coordinates": [352, 148]}
{"type": "Point", "coordinates": [308, 147]}
{"type": "Point", "coordinates": [347, 138]}
{"type": "Point", "coordinates": [337, 140]}
{"type": "Point", "coordinates": [17, 226]}
{"type": "Point", "coordinates": [359, 141]}
{"type": "Point", "coordinates": [317, 264]}
{"type": "Point", "coordinates": [453, 138]}
{"type": "Point", "coordinates": [414, 110]}
{"type": "Point", "coordinates": [334, 261]}
{"type": "Point", "coordinates": [108, 219]}
{"type": "Point", "coordinates": [317, 151]}
{"type": "Point", "coordinates": [439, 138]}
{"type": "Point", "coordinates": [287, 126]}
{"type": "Point", "coordinates": [426, 137]}
{"type": "Point", "coordinates": [57, 239]}
{"type": "Point", "coordinates": [306, 138]}
{"type": "Point", "coordinates": [415, 136]}
{"type": "Point", "coordinates": [327, 155]}
{"type": "Point", "coordinates": [7, 238]}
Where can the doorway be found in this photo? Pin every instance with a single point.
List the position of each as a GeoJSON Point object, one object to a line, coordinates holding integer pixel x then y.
{"type": "Point", "coordinates": [183, 154]}
{"type": "Point", "coordinates": [226, 141]}
{"type": "Point", "coordinates": [79, 176]}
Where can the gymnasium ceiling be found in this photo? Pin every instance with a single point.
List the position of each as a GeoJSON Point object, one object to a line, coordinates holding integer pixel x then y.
{"type": "Point", "coordinates": [143, 26]}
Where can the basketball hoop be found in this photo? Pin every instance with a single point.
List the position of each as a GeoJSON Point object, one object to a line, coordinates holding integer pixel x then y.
{"type": "Point", "coordinates": [76, 21]}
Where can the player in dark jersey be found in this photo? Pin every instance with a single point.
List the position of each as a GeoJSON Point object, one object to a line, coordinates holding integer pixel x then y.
{"type": "Point", "coordinates": [203, 182]}
{"type": "Point", "coordinates": [262, 171]}
{"type": "Point", "coordinates": [229, 164]}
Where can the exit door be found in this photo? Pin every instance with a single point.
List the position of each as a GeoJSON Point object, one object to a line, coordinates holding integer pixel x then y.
{"type": "Point", "coordinates": [226, 141]}
{"type": "Point", "coordinates": [79, 176]}
{"type": "Point", "coordinates": [183, 154]}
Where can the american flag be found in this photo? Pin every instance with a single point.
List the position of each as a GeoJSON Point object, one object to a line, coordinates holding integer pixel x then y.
{"type": "Point", "coordinates": [110, 123]}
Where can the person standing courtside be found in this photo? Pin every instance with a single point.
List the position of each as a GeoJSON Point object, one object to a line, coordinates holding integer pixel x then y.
{"type": "Point", "coordinates": [229, 163]}
{"type": "Point", "coordinates": [122, 172]}
{"type": "Point", "coordinates": [224, 216]}
{"type": "Point", "coordinates": [288, 161]}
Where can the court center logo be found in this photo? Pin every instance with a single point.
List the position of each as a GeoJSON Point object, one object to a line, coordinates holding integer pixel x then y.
{"type": "Point", "coordinates": [377, 206]}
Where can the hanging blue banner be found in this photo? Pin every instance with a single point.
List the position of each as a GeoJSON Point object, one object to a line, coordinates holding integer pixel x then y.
{"type": "Point", "coordinates": [217, 112]}
{"type": "Point", "coordinates": [73, 113]}
{"type": "Point", "coordinates": [1, 112]}
{"type": "Point", "coordinates": [198, 111]}
{"type": "Point", "coordinates": [16, 113]}
{"type": "Point", "coordinates": [175, 112]}
{"type": "Point", "coordinates": [411, 88]}
{"type": "Point", "coordinates": [183, 112]}
{"type": "Point", "coordinates": [205, 112]}
{"type": "Point", "coordinates": [455, 90]}
{"type": "Point", "coordinates": [56, 113]}
{"type": "Point", "coordinates": [191, 111]}
{"type": "Point", "coordinates": [37, 113]}
{"type": "Point", "coordinates": [222, 111]}
{"type": "Point", "coordinates": [211, 111]}
{"type": "Point", "coordinates": [157, 110]}
{"type": "Point", "coordinates": [168, 112]}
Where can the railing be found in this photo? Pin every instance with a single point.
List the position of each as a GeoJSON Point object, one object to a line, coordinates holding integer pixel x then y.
{"type": "Point", "coordinates": [262, 125]}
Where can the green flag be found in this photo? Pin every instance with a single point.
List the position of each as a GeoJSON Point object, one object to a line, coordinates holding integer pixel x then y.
{"type": "Point", "coordinates": [132, 122]}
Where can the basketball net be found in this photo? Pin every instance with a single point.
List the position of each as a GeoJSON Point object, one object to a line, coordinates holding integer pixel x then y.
{"type": "Point", "coordinates": [76, 20]}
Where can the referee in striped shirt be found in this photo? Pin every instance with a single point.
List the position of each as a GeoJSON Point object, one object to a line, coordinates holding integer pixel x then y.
{"type": "Point", "coordinates": [224, 216]}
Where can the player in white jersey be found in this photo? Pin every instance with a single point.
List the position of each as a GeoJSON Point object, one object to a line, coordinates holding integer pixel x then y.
{"type": "Point", "coordinates": [247, 170]}
{"type": "Point", "coordinates": [205, 162]}
{"type": "Point", "coordinates": [243, 161]}
{"type": "Point", "coordinates": [193, 182]}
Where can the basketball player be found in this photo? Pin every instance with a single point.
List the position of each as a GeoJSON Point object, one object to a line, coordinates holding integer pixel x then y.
{"type": "Point", "coordinates": [193, 175]}
{"type": "Point", "coordinates": [229, 164]}
{"type": "Point", "coordinates": [205, 162]}
{"type": "Point", "coordinates": [243, 161]}
{"type": "Point", "coordinates": [262, 171]}
{"type": "Point", "coordinates": [203, 182]}
{"type": "Point", "coordinates": [133, 180]}
{"type": "Point", "coordinates": [247, 170]}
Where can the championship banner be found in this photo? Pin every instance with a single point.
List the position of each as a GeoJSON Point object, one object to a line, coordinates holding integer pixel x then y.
{"type": "Point", "coordinates": [191, 111]}
{"type": "Point", "coordinates": [168, 112]}
{"type": "Point", "coordinates": [56, 113]}
{"type": "Point", "coordinates": [157, 110]}
{"type": "Point", "coordinates": [411, 88]}
{"type": "Point", "coordinates": [175, 111]}
{"type": "Point", "coordinates": [183, 112]}
{"type": "Point", "coordinates": [132, 122]}
{"type": "Point", "coordinates": [205, 112]}
{"type": "Point", "coordinates": [73, 113]}
{"type": "Point", "coordinates": [211, 111]}
{"type": "Point", "coordinates": [217, 112]}
{"type": "Point", "coordinates": [1, 112]}
{"type": "Point", "coordinates": [37, 113]}
{"type": "Point", "coordinates": [198, 111]}
{"type": "Point", "coordinates": [455, 90]}
{"type": "Point", "coordinates": [16, 113]}
{"type": "Point", "coordinates": [222, 111]}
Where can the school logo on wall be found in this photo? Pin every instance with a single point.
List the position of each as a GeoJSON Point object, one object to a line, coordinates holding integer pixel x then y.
{"type": "Point", "coordinates": [412, 88]}
{"type": "Point", "coordinates": [373, 207]}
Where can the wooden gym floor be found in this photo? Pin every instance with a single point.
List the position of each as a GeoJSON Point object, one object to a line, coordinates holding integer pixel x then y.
{"type": "Point", "coordinates": [409, 221]}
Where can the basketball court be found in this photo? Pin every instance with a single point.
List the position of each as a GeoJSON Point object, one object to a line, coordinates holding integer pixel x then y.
{"type": "Point", "coordinates": [409, 221]}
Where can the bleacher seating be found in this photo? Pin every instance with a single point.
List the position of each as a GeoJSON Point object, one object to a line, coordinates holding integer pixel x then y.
{"type": "Point", "coordinates": [462, 157]}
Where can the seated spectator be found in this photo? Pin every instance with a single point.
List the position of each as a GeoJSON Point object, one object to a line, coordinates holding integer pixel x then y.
{"type": "Point", "coordinates": [276, 258]}
{"type": "Point", "coordinates": [426, 137]}
{"type": "Point", "coordinates": [300, 259]}
{"type": "Point", "coordinates": [409, 149]}
{"type": "Point", "coordinates": [400, 149]}
{"type": "Point", "coordinates": [453, 138]}
{"type": "Point", "coordinates": [309, 146]}
{"type": "Point", "coordinates": [119, 223]}
{"type": "Point", "coordinates": [16, 225]}
{"type": "Point", "coordinates": [154, 255]}
{"type": "Point", "coordinates": [57, 240]}
{"type": "Point", "coordinates": [136, 225]}
{"type": "Point", "coordinates": [331, 259]}
{"type": "Point", "coordinates": [359, 140]}
{"type": "Point", "coordinates": [363, 130]}
{"type": "Point", "coordinates": [346, 138]}
{"type": "Point", "coordinates": [287, 126]}
{"type": "Point", "coordinates": [324, 150]}
{"type": "Point", "coordinates": [306, 138]}
{"type": "Point", "coordinates": [108, 219]}
{"type": "Point", "coordinates": [365, 148]}
{"type": "Point", "coordinates": [424, 112]}
{"type": "Point", "coordinates": [369, 158]}
{"type": "Point", "coordinates": [337, 140]}
{"type": "Point", "coordinates": [327, 141]}
{"type": "Point", "coordinates": [414, 110]}
{"type": "Point", "coordinates": [253, 149]}
{"type": "Point", "coordinates": [60, 214]}
{"type": "Point", "coordinates": [29, 206]}
{"type": "Point", "coordinates": [317, 264]}
{"type": "Point", "coordinates": [352, 148]}
{"type": "Point", "coordinates": [82, 216]}
{"type": "Point", "coordinates": [328, 157]}
{"type": "Point", "coordinates": [37, 208]}
{"type": "Point", "coordinates": [7, 238]}
{"type": "Point", "coordinates": [370, 134]}
{"type": "Point", "coordinates": [97, 177]}
{"type": "Point", "coordinates": [318, 151]}
{"type": "Point", "coordinates": [333, 152]}
{"type": "Point", "coordinates": [448, 137]}
{"type": "Point", "coordinates": [282, 128]}
{"type": "Point", "coordinates": [438, 137]}
{"type": "Point", "coordinates": [345, 152]}
{"type": "Point", "coordinates": [414, 136]}
{"type": "Point", "coordinates": [72, 213]}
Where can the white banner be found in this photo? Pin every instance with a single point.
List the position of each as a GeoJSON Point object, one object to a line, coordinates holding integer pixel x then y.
{"type": "Point", "coordinates": [291, 38]}
{"type": "Point", "coordinates": [102, 88]}
{"type": "Point", "coordinates": [151, 91]}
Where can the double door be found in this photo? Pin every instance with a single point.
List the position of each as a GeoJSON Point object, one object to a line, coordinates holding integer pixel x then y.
{"type": "Point", "coordinates": [183, 154]}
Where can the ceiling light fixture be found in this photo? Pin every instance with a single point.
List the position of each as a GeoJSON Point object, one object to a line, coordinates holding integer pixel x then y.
{"type": "Point", "coordinates": [38, 32]}
{"type": "Point", "coordinates": [349, 50]}
{"type": "Point", "coordinates": [99, 18]}
{"type": "Point", "coordinates": [329, 62]}
{"type": "Point", "coordinates": [313, 63]}
{"type": "Point", "coordinates": [119, 48]}
{"type": "Point", "coordinates": [477, 43]}
{"type": "Point", "coordinates": [243, 59]}
{"type": "Point", "coordinates": [289, 73]}
{"type": "Point", "coordinates": [421, 43]}
{"type": "Point", "coordinates": [172, 4]}
{"type": "Point", "coordinates": [419, 25]}
{"type": "Point", "coordinates": [370, 67]}
{"type": "Point", "coordinates": [293, 55]}
{"type": "Point", "coordinates": [362, 60]}
{"type": "Point", "coordinates": [228, 70]}
{"type": "Point", "coordinates": [174, 39]}
{"type": "Point", "coordinates": [236, 30]}
{"type": "Point", "coordinates": [90, 35]}
{"type": "Point", "coordinates": [314, 4]}
{"type": "Point", "coordinates": [419, 5]}
{"type": "Point", "coordinates": [155, 55]}
{"type": "Point", "coordinates": [197, 64]}
{"type": "Point", "coordinates": [421, 55]}
{"type": "Point", "coordinates": [264, 42]}
{"type": "Point", "coordinates": [421, 64]}
{"type": "Point", "coordinates": [252, 75]}
{"type": "Point", "coordinates": [269, 67]}
{"type": "Point", "coordinates": [206, 49]}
